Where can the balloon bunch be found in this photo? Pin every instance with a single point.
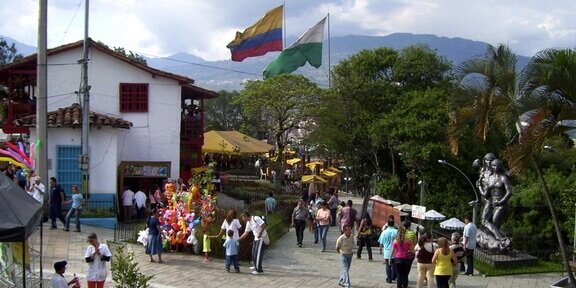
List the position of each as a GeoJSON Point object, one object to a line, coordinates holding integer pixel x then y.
{"type": "Point", "coordinates": [178, 227]}
{"type": "Point", "coordinates": [16, 154]}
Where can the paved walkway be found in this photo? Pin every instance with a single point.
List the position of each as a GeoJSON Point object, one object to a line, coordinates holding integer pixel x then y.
{"type": "Point", "coordinates": [285, 265]}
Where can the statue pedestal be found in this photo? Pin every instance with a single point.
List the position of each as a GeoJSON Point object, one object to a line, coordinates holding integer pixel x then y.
{"type": "Point", "coordinates": [501, 260]}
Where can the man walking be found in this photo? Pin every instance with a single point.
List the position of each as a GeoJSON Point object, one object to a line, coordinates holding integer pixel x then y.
{"type": "Point", "coordinates": [257, 226]}
{"type": "Point", "coordinates": [299, 217]}
{"type": "Point", "coordinates": [469, 245]}
{"type": "Point", "coordinates": [344, 246]}
{"type": "Point", "coordinates": [57, 198]}
{"type": "Point", "coordinates": [386, 239]}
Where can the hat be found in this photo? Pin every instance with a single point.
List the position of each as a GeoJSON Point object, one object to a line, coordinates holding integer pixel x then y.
{"type": "Point", "coordinates": [59, 265]}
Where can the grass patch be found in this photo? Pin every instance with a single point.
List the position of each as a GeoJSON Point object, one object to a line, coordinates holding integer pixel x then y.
{"type": "Point", "coordinates": [540, 267]}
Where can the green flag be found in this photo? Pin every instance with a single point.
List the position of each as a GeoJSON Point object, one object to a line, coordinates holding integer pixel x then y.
{"type": "Point", "coordinates": [308, 48]}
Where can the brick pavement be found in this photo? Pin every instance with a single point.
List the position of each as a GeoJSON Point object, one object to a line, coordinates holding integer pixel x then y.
{"type": "Point", "coordinates": [285, 265]}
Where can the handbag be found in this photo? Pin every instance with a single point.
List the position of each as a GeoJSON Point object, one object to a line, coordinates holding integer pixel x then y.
{"type": "Point", "coordinates": [266, 238]}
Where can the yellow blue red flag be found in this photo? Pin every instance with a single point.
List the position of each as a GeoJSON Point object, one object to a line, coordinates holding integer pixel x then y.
{"type": "Point", "coordinates": [262, 37]}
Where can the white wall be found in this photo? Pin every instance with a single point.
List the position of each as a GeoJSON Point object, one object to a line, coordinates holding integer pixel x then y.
{"type": "Point", "coordinates": [155, 135]}
{"type": "Point", "coordinates": [103, 153]}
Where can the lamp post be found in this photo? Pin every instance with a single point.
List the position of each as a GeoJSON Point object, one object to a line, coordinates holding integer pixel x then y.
{"type": "Point", "coordinates": [473, 203]}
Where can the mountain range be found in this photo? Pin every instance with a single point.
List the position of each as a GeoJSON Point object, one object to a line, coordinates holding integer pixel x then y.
{"type": "Point", "coordinates": [229, 75]}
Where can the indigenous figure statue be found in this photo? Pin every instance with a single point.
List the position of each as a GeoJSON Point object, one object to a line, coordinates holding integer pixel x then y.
{"type": "Point", "coordinates": [496, 189]}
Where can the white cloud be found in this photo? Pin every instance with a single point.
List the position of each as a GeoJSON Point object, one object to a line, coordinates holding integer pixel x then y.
{"type": "Point", "coordinates": [203, 28]}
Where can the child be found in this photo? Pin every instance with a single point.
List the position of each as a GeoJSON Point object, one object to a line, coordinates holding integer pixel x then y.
{"type": "Point", "coordinates": [231, 246]}
{"type": "Point", "coordinates": [206, 247]}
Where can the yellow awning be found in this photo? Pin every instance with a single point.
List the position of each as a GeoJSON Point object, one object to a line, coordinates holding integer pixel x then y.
{"type": "Point", "coordinates": [293, 161]}
{"type": "Point", "coordinates": [313, 164]}
{"type": "Point", "coordinates": [334, 169]}
{"type": "Point", "coordinates": [328, 173]}
{"type": "Point", "coordinates": [233, 142]}
{"type": "Point", "coordinates": [313, 179]}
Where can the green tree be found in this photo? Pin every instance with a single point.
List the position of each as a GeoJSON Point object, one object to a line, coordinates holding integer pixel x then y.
{"type": "Point", "coordinates": [281, 106]}
{"type": "Point", "coordinates": [385, 116]}
{"type": "Point", "coordinates": [221, 113]}
{"type": "Point", "coordinates": [488, 97]}
{"type": "Point", "coordinates": [132, 55]}
{"type": "Point", "coordinates": [496, 98]}
{"type": "Point", "coordinates": [548, 81]}
{"type": "Point", "coordinates": [8, 53]}
{"type": "Point", "coordinates": [125, 271]}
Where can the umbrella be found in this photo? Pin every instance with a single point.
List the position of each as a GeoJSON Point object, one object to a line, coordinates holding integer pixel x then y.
{"type": "Point", "coordinates": [404, 207]}
{"type": "Point", "coordinates": [434, 215]}
{"type": "Point", "coordinates": [452, 224]}
{"type": "Point", "coordinates": [313, 179]}
{"type": "Point", "coordinates": [293, 161]}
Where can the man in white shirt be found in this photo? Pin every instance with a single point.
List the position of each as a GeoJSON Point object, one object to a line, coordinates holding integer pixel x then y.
{"type": "Point", "coordinates": [37, 189]}
{"type": "Point", "coordinates": [140, 202]}
{"type": "Point", "coordinates": [127, 203]}
{"type": "Point", "coordinates": [469, 245]}
{"type": "Point", "coordinates": [257, 226]}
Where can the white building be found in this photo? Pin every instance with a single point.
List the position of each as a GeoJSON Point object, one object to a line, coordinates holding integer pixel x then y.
{"type": "Point", "coordinates": [138, 109]}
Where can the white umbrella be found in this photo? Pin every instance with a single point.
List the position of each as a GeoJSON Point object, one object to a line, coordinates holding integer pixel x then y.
{"type": "Point", "coordinates": [433, 215]}
{"type": "Point", "coordinates": [404, 207]}
{"type": "Point", "coordinates": [452, 224]}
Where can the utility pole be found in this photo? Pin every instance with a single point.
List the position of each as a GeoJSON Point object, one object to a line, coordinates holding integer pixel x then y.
{"type": "Point", "coordinates": [84, 160]}
{"type": "Point", "coordinates": [41, 111]}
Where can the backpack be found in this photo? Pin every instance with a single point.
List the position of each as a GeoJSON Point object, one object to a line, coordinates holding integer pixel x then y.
{"type": "Point", "coordinates": [264, 219]}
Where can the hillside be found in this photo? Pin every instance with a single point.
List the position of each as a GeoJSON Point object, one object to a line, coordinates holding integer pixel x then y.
{"type": "Point", "coordinates": [228, 75]}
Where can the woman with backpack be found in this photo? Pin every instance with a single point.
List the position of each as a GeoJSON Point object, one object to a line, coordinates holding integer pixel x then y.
{"type": "Point", "coordinates": [424, 253]}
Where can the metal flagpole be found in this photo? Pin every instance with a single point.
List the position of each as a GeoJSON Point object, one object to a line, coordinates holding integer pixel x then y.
{"type": "Point", "coordinates": [329, 60]}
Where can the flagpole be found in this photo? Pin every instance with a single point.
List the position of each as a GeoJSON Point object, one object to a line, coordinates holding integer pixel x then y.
{"type": "Point", "coordinates": [329, 61]}
{"type": "Point", "coordinates": [284, 23]}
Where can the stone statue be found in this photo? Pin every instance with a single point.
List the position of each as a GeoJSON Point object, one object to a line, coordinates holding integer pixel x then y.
{"type": "Point", "coordinates": [495, 187]}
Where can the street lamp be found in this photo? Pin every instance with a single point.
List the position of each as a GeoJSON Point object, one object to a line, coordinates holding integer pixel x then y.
{"type": "Point", "coordinates": [473, 203]}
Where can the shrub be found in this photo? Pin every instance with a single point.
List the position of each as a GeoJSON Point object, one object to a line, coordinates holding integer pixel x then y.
{"type": "Point", "coordinates": [125, 272]}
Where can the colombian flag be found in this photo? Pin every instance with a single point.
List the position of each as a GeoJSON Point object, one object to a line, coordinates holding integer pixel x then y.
{"type": "Point", "coordinates": [260, 38]}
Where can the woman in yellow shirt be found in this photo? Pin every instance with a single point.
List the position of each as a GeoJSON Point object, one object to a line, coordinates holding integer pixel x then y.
{"type": "Point", "coordinates": [444, 259]}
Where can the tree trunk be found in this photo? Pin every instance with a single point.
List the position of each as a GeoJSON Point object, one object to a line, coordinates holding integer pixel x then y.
{"type": "Point", "coordinates": [556, 223]}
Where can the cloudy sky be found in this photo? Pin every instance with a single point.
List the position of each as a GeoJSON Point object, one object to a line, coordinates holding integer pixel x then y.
{"type": "Point", "coordinates": [157, 28]}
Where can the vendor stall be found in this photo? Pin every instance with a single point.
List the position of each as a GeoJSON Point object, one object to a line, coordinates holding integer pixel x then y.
{"type": "Point", "coordinates": [140, 175]}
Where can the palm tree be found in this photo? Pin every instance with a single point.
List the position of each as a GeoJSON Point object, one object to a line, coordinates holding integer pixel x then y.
{"type": "Point", "coordinates": [550, 80]}
{"type": "Point", "coordinates": [487, 97]}
{"type": "Point", "coordinates": [528, 108]}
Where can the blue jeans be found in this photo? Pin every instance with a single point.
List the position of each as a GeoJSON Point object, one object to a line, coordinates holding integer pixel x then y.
{"type": "Point", "coordinates": [323, 231]}
{"type": "Point", "coordinates": [232, 259]}
{"type": "Point", "coordinates": [346, 261]}
{"type": "Point", "coordinates": [76, 211]}
{"type": "Point", "coordinates": [390, 271]}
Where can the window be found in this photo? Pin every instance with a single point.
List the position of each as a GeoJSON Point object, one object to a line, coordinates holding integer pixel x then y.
{"type": "Point", "coordinates": [133, 97]}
